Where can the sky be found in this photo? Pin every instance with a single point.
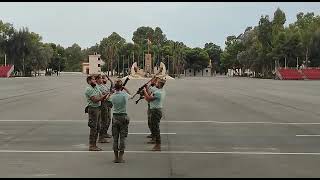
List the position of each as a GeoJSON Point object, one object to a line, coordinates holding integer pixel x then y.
{"type": "Point", "coordinates": [87, 23]}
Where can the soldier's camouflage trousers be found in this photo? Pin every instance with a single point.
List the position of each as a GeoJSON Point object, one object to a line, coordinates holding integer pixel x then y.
{"type": "Point", "coordinates": [119, 130]}
{"type": "Point", "coordinates": [155, 117]}
{"type": "Point", "coordinates": [105, 121]}
{"type": "Point", "coordinates": [94, 124]}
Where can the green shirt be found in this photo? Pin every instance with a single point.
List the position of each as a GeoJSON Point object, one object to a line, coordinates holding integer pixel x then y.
{"type": "Point", "coordinates": [159, 95]}
{"type": "Point", "coordinates": [119, 101]}
{"type": "Point", "coordinates": [90, 91]}
{"type": "Point", "coordinates": [152, 89]}
{"type": "Point", "coordinates": [102, 88]}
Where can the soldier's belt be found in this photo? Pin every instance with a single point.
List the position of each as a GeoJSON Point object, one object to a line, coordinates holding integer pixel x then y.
{"type": "Point", "coordinates": [119, 114]}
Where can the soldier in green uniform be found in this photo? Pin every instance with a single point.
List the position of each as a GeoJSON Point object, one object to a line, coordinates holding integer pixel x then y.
{"type": "Point", "coordinates": [108, 104]}
{"type": "Point", "coordinates": [104, 111]}
{"type": "Point", "coordinates": [152, 88]}
{"type": "Point", "coordinates": [156, 104]}
{"type": "Point", "coordinates": [94, 98]}
{"type": "Point", "coordinates": [120, 120]}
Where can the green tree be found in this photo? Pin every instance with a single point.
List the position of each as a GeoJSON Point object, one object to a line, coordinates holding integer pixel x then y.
{"type": "Point", "coordinates": [6, 32]}
{"type": "Point", "coordinates": [109, 49]}
{"type": "Point", "coordinates": [197, 59]}
{"type": "Point", "coordinates": [74, 56]}
{"type": "Point", "coordinates": [229, 57]}
{"type": "Point", "coordinates": [307, 24]}
{"type": "Point", "coordinates": [214, 51]}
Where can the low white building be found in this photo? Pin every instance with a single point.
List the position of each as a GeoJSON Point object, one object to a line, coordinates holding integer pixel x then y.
{"type": "Point", "coordinates": [85, 68]}
{"type": "Point", "coordinates": [189, 72]}
{"type": "Point", "coordinates": [206, 72]}
{"type": "Point", "coordinates": [94, 65]}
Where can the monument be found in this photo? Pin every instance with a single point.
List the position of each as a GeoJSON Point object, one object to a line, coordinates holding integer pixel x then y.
{"type": "Point", "coordinates": [148, 64]}
{"type": "Point", "coordinates": [147, 71]}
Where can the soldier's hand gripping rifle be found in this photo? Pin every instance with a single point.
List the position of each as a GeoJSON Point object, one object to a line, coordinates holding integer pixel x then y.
{"type": "Point", "coordinates": [109, 104]}
{"type": "Point", "coordinates": [141, 92]}
{"type": "Point", "coordinates": [141, 96]}
{"type": "Point", "coordinates": [125, 82]}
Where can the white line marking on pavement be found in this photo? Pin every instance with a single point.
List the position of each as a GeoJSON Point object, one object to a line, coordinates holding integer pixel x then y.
{"type": "Point", "coordinates": [306, 135]}
{"type": "Point", "coordinates": [214, 122]}
{"type": "Point", "coordinates": [44, 175]}
{"type": "Point", "coordinates": [149, 133]}
{"type": "Point", "coordinates": [174, 152]}
{"type": "Point", "coordinates": [42, 120]}
{"type": "Point", "coordinates": [256, 148]}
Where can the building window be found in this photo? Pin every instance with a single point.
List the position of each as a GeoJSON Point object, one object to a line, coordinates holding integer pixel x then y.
{"type": "Point", "coordinates": [189, 70]}
{"type": "Point", "coordinates": [198, 70]}
{"type": "Point", "coordinates": [207, 70]}
{"type": "Point", "coordinates": [98, 65]}
{"type": "Point", "coordinates": [98, 59]}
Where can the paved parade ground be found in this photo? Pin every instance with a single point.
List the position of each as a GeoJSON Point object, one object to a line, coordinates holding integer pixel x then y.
{"type": "Point", "coordinates": [212, 127]}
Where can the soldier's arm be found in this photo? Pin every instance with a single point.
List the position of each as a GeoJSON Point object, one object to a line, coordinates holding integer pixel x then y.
{"type": "Point", "coordinates": [148, 97]}
{"type": "Point", "coordinates": [95, 99]}
{"type": "Point", "coordinates": [147, 90]}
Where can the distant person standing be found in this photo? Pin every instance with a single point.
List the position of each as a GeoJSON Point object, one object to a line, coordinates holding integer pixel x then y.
{"type": "Point", "coordinates": [94, 98]}
{"type": "Point", "coordinates": [156, 105]}
{"type": "Point", "coordinates": [120, 120]}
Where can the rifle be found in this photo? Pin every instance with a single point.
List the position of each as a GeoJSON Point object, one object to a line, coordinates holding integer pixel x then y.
{"type": "Point", "coordinates": [108, 103]}
{"type": "Point", "coordinates": [140, 91]}
{"type": "Point", "coordinates": [125, 82]}
{"type": "Point", "coordinates": [111, 86]}
{"type": "Point", "coordinates": [141, 96]}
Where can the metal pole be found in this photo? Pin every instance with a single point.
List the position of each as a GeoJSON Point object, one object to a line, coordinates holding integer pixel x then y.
{"type": "Point", "coordinates": [123, 65]}
{"type": "Point", "coordinates": [118, 65]}
{"type": "Point", "coordinates": [59, 63]}
{"type": "Point", "coordinates": [143, 62]}
{"type": "Point", "coordinates": [138, 60]}
{"type": "Point", "coordinates": [297, 63]}
{"type": "Point", "coordinates": [168, 64]}
{"type": "Point", "coordinates": [5, 59]}
{"type": "Point", "coordinates": [23, 66]}
{"type": "Point", "coordinates": [285, 62]}
{"type": "Point", "coordinates": [148, 46]}
{"type": "Point", "coordinates": [24, 44]}
{"type": "Point", "coordinates": [128, 63]}
{"type": "Point", "coordinates": [174, 65]}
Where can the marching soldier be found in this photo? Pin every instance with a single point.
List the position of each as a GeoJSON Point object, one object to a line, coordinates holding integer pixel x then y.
{"type": "Point", "coordinates": [94, 98]}
{"type": "Point", "coordinates": [156, 104]}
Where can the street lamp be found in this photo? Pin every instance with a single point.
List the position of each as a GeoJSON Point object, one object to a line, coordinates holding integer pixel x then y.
{"type": "Point", "coordinates": [168, 64]}
{"type": "Point", "coordinates": [59, 63]}
{"type": "Point", "coordinates": [5, 55]}
{"type": "Point", "coordinates": [24, 44]}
